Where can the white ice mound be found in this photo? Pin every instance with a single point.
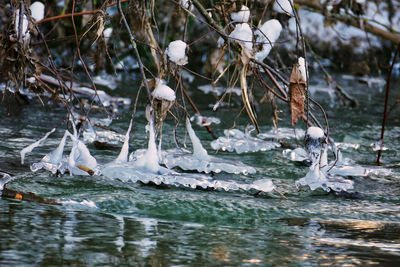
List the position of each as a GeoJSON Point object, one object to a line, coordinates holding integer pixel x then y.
{"type": "Point", "coordinates": [243, 34]}
{"type": "Point", "coordinates": [283, 6]}
{"type": "Point", "coordinates": [267, 35]}
{"type": "Point", "coordinates": [163, 91]}
{"type": "Point", "coordinates": [242, 16]}
{"type": "Point", "coordinates": [199, 160]}
{"type": "Point", "coordinates": [80, 159]}
{"type": "Point", "coordinates": [282, 133]}
{"type": "Point", "coordinates": [236, 140]}
{"type": "Point", "coordinates": [126, 172]}
{"type": "Point", "coordinates": [176, 52]}
{"type": "Point", "coordinates": [37, 10]}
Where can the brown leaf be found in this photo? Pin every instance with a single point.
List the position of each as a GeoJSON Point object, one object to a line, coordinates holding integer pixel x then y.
{"type": "Point", "coordinates": [297, 94]}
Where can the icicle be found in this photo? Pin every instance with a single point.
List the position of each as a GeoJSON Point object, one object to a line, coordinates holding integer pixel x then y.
{"type": "Point", "coordinates": [123, 155]}
{"type": "Point", "coordinates": [198, 150]}
{"type": "Point", "coordinates": [149, 161]}
{"type": "Point", "coordinates": [29, 148]}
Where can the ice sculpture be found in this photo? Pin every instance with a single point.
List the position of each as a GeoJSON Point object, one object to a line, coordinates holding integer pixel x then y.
{"type": "Point", "coordinates": [199, 160]}
{"type": "Point", "coordinates": [236, 140]}
{"type": "Point", "coordinates": [53, 161]}
{"type": "Point", "coordinates": [321, 174]}
{"type": "Point", "coordinates": [29, 148]}
{"type": "Point", "coordinates": [143, 167]}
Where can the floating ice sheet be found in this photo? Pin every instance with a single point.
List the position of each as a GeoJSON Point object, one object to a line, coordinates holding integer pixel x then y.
{"type": "Point", "coordinates": [282, 133]}
{"type": "Point", "coordinates": [236, 140]}
{"type": "Point", "coordinates": [219, 90]}
{"type": "Point", "coordinates": [126, 172]}
{"type": "Point", "coordinates": [90, 135]}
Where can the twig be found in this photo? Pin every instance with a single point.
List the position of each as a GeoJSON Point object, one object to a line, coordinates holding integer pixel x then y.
{"type": "Point", "coordinates": [133, 43]}
{"type": "Point", "coordinates": [386, 102]}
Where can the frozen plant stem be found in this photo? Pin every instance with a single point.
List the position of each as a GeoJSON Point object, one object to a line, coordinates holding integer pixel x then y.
{"type": "Point", "coordinates": [386, 102]}
{"type": "Point", "coordinates": [136, 52]}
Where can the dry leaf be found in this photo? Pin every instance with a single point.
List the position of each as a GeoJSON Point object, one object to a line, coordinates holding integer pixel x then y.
{"type": "Point", "coordinates": [18, 196]}
{"type": "Point", "coordinates": [245, 97]}
{"type": "Point", "coordinates": [86, 169]}
{"type": "Point", "coordinates": [297, 94]}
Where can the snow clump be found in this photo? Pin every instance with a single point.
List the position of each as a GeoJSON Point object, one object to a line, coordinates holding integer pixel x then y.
{"type": "Point", "coordinates": [267, 35]}
{"type": "Point", "coordinates": [283, 6]}
{"type": "Point", "coordinates": [176, 52]}
{"type": "Point", "coordinates": [243, 34]}
{"type": "Point", "coordinates": [163, 91]}
{"type": "Point", "coordinates": [37, 10]}
{"type": "Point", "coordinates": [241, 16]}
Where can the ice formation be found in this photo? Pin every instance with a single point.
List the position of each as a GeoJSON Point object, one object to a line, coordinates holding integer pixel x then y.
{"type": "Point", "coordinates": [199, 160]}
{"type": "Point", "coordinates": [29, 148]}
{"type": "Point", "coordinates": [283, 6]}
{"type": "Point", "coordinates": [204, 121]}
{"type": "Point", "coordinates": [163, 91]}
{"type": "Point", "coordinates": [186, 4]}
{"type": "Point", "coordinates": [5, 178]}
{"type": "Point", "coordinates": [80, 161]}
{"type": "Point", "coordinates": [90, 135]}
{"type": "Point", "coordinates": [321, 174]}
{"type": "Point", "coordinates": [267, 35]}
{"type": "Point", "coordinates": [243, 34]}
{"type": "Point", "coordinates": [136, 170]}
{"type": "Point", "coordinates": [242, 16]}
{"type": "Point", "coordinates": [236, 140]}
{"type": "Point", "coordinates": [106, 80]}
{"type": "Point", "coordinates": [124, 153]}
{"type": "Point", "coordinates": [176, 52]}
{"type": "Point", "coordinates": [52, 161]}
{"type": "Point", "coordinates": [282, 133]}
{"type": "Point", "coordinates": [37, 10]}
{"type": "Point", "coordinates": [149, 161]}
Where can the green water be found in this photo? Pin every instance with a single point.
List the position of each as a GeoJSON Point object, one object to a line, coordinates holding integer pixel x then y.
{"type": "Point", "coordinates": [140, 225]}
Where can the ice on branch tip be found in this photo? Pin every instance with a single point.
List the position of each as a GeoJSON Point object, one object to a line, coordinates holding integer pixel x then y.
{"type": "Point", "coordinates": [176, 52]}
{"type": "Point", "coordinates": [241, 16]}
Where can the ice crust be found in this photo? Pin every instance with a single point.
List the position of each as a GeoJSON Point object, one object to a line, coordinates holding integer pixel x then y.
{"type": "Point", "coordinates": [176, 52]}
{"type": "Point", "coordinates": [242, 16]}
{"type": "Point", "coordinates": [236, 140]}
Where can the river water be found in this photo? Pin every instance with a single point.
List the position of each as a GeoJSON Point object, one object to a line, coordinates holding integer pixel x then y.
{"type": "Point", "coordinates": [108, 222]}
